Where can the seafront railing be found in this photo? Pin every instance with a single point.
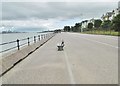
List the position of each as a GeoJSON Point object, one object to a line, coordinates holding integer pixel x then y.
{"type": "Point", "coordinates": [22, 42]}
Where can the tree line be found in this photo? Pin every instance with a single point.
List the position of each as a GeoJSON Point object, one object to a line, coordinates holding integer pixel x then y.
{"type": "Point", "coordinates": [98, 24]}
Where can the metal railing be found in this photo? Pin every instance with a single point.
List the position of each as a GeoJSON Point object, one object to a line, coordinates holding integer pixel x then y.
{"type": "Point", "coordinates": [27, 41]}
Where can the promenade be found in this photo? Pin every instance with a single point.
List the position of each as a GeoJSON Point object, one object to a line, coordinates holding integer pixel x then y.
{"type": "Point", "coordinates": [86, 59]}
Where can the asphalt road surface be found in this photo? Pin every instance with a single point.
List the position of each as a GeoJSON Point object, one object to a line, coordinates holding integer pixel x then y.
{"type": "Point", "coordinates": [86, 59]}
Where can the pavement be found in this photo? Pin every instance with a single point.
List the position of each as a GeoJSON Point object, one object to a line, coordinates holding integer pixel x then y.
{"type": "Point", "coordinates": [86, 59]}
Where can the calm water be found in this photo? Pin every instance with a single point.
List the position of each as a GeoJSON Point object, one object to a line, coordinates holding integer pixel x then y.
{"type": "Point", "coordinates": [13, 37]}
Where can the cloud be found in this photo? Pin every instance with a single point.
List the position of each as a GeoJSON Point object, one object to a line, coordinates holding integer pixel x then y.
{"type": "Point", "coordinates": [61, 10]}
{"type": "Point", "coordinates": [49, 14]}
{"type": "Point", "coordinates": [29, 23]}
{"type": "Point", "coordinates": [27, 10]}
{"type": "Point", "coordinates": [59, 0]}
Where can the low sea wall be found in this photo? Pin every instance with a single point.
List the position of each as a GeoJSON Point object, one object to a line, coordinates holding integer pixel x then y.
{"type": "Point", "coordinates": [8, 62]}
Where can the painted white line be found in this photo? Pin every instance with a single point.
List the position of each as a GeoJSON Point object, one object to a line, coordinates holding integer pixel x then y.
{"type": "Point", "coordinates": [101, 42]}
{"type": "Point", "coordinates": [69, 69]}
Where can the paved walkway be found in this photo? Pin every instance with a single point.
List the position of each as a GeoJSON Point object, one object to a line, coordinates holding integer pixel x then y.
{"type": "Point", "coordinates": [86, 59]}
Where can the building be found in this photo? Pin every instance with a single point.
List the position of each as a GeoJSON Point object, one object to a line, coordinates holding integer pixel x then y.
{"type": "Point", "coordinates": [108, 16]}
{"type": "Point", "coordinates": [119, 4]}
{"type": "Point", "coordinates": [112, 14]}
{"type": "Point", "coordinates": [85, 24]}
{"type": "Point", "coordinates": [91, 20]}
{"type": "Point", "coordinates": [119, 7]}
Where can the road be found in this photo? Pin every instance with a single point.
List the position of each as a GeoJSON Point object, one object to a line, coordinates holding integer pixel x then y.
{"type": "Point", "coordinates": [86, 59]}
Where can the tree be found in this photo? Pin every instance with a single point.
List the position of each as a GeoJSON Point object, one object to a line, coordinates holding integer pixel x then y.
{"type": "Point", "coordinates": [57, 31]}
{"type": "Point", "coordinates": [77, 27]}
{"type": "Point", "coordinates": [116, 23]}
{"type": "Point", "coordinates": [97, 23]}
{"type": "Point", "coordinates": [67, 28]}
{"type": "Point", "coordinates": [106, 24]}
{"type": "Point", "coordinates": [90, 26]}
{"type": "Point", "coordinates": [71, 28]}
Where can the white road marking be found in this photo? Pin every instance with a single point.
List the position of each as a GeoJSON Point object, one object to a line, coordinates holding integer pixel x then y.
{"type": "Point", "coordinates": [69, 69]}
{"type": "Point", "coordinates": [101, 42]}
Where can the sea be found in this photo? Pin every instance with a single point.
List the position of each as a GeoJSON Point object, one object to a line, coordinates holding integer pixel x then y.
{"type": "Point", "coordinates": [8, 37]}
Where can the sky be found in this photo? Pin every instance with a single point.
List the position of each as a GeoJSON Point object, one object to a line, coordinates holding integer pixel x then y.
{"type": "Point", "coordinates": [29, 15]}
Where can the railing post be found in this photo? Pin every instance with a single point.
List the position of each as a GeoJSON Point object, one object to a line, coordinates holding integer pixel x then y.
{"type": "Point", "coordinates": [18, 45]}
{"type": "Point", "coordinates": [34, 39]}
{"type": "Point", "coordinates": [44, 36]}
{"type": "Point", "coordinates": [39, 37]}
{"type": "Point", "coordinates": [28, 41]}
{"type": "Point", "coordinates": [47, 35]}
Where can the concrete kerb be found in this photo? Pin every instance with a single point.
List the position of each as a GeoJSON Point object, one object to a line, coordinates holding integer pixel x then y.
{"type": "Point", "coordinates": [10, 61]}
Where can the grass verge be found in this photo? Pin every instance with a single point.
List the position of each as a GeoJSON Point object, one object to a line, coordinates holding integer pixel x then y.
{"type": "Point", "coordinates": [112, 33]}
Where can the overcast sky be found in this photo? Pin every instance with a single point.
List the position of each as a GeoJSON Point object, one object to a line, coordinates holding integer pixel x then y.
{"type": "Point", "coordinates": [51, 15]}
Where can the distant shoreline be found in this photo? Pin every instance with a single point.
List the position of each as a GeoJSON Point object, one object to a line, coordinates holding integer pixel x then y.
{"type": "Point", "coordinates": [23, 32]}
{"type": "Point", "coordinates": [13, 32]}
